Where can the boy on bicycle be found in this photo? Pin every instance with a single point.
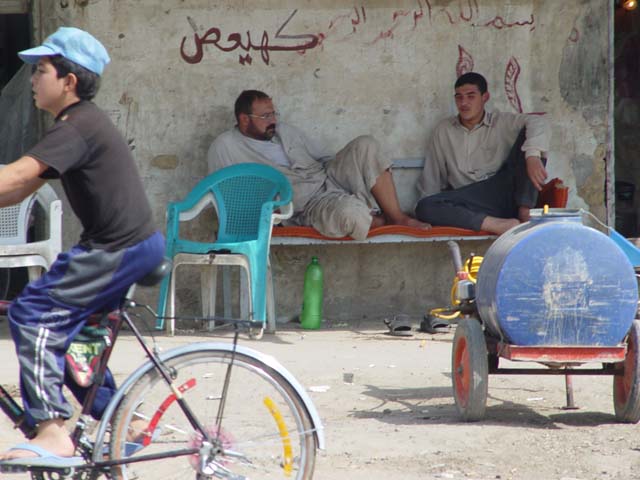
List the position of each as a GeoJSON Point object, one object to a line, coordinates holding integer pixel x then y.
{"type": "Point", "coordinates": [118, 246]}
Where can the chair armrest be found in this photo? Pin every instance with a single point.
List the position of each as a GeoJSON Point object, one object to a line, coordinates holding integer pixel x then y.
{"type": "Point", "coordinates": [55, 225]}
{"type": "Point", "coordinates": [194, 211]}
{"type": "Point", "coordinates": [286, 211]}
{"type": "Point", "coordinates": [46, 195]}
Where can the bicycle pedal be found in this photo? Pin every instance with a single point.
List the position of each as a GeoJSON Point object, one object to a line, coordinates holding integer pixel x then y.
{"type": "Point", "coordinates": [42, 471]}
{"type": "Point", "coordinates": [13, 469]}
{"type": "Point", "coordinates": [59, 472]}
{"type": "Point", "coordinates": [215, 470]}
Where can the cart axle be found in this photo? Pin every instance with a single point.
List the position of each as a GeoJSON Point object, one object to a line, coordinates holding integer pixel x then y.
{"type": "Point", "coordinates": [556, 371]}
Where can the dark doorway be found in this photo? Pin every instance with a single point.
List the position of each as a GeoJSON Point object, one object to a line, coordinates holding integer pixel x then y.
{"type": "Point", "coordinates": [627, 119]}
{"type": "Point", "coordinates": [14, 36]}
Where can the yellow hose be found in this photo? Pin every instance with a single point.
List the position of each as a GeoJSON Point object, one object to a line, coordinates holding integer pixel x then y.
{"type": "Point", "coordinates": [444, 313]}
{"type": "Point", "coordinates": [471, 266]}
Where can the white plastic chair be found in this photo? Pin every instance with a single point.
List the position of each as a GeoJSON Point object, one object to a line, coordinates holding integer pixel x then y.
{"type": "Point", "coordinates": [37, 256]}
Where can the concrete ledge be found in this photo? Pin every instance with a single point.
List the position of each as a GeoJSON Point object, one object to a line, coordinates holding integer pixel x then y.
{"type": "Point", "coordinates": [385, 234]}
{"type": "Point", "coordinates": [409, 162]}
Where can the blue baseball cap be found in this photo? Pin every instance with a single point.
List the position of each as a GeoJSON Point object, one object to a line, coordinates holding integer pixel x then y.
{"type": "Point", "coordinates": [73, 44]}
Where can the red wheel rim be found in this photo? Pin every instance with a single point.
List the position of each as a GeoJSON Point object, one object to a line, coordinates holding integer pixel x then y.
{"type": "Point", "coordinates": [462, 372]}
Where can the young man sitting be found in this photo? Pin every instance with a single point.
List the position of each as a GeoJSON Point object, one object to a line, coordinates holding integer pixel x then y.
{"type": "Point", "coordinates": [483, 170]}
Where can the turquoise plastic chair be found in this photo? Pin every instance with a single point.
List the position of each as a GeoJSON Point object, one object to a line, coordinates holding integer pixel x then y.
{"type": "Point", "coordinates": [249, 198]}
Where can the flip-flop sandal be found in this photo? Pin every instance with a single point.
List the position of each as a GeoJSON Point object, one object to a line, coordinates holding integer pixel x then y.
{"type": "Point", "coordinates": [399, 326]}
{"type": "Point", "coordinates": [43, 458]}
{"type": "Point", "coordinates": [431, 324]}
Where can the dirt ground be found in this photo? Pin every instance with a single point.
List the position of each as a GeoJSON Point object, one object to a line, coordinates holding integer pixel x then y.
{"type": "Point", "coordinates": [397, 419]}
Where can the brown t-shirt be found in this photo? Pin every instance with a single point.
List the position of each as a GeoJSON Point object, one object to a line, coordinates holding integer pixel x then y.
{"type": "Point", "coordinates": [99, 175]}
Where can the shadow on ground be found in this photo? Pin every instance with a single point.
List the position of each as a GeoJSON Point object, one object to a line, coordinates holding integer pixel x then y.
{"type": "Point", "coordinates": [416, 405]}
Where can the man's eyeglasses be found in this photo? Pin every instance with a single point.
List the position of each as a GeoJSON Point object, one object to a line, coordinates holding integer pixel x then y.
{"type": "Point", "coordinates": [266, 116]}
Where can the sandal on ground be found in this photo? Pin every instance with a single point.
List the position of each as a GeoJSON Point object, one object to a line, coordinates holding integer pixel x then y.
{"type": "Point", "coordinates": [399, 326]}
{"type": "Point", "coordinates": [431, 324]}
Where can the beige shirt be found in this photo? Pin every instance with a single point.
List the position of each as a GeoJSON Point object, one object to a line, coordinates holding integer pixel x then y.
{"type": "Point", "coordinates": [456, 156]}
{"type": "Point", "coordinates": [330, 193]}
{"type": "Point", "coordinates": [306, 171]}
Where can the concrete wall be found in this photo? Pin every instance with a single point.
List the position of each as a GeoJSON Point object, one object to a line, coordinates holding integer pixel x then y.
{"type": "Point", "coordinates": [339, 69]}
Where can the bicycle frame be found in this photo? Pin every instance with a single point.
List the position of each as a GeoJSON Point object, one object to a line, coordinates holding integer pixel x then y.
{"type": "Point", "coordinates": [8, 405]}
{"type": "Point", "coordinates": [94, 452]}
{"type": "Point", "coordinates": [202, 347]}
{"type": "Point", "coordinates": [15, 413]}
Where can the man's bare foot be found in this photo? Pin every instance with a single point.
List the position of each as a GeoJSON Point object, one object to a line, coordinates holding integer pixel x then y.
{"type": "Point", "coordinates": [498, 225]}
{"type": "Point", "coordinates": [408, 221]}
{"type": "Point", "coordinates": [524, 214]}
{"type": "Point", "coordinates": [52, 436]}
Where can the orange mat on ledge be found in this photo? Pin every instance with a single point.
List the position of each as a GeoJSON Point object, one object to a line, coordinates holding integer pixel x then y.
{"type": "Point", "coordinates": [310, 232]}
{"type": "Point", "coordinates": [554, 193]}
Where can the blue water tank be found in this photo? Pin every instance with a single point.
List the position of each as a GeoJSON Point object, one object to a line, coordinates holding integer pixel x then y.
{"type": "Point", "coordinates": [554, 281]}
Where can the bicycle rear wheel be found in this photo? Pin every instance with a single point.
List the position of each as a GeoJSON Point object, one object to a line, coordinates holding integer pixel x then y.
{"type": "Point", "coordinates": [265, 432]}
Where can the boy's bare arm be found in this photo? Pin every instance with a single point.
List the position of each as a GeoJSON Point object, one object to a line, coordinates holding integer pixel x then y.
{"type": "Point", "coordinates": [19, 179]}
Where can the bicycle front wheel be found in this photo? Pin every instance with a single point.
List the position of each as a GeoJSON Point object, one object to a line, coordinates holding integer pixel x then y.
{"type": "Point", "coordinates": [265, 430]}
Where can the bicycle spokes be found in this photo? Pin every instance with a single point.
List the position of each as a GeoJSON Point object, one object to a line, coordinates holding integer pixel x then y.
{"type": "Point", "coordinates": [264, 432]}
{"type": "Point", "coordinates": [166, 403]}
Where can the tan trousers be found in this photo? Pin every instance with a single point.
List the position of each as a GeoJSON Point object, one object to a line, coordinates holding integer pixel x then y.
{"type": "Point", "coordinates": [346, 205]}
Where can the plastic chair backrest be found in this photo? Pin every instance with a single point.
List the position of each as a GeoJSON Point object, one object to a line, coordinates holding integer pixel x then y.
{"type": "Point", "coordinates": [14, 221]}
{"type": "Point", "coordinates": [245, 196]}
{"type": "Point", "coordinates": [240, 200]}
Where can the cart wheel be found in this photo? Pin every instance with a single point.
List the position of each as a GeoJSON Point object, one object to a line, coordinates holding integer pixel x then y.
{"type": "Point", "coordinates": [469, 365]}
{"type": "Point", "coordinates": [626, 387]}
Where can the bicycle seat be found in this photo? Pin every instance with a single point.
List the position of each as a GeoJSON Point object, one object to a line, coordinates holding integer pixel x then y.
{"type": "Point", "coordinates": [157, 274]}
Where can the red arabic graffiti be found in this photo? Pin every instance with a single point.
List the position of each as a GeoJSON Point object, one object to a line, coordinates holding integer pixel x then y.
{"type": "Point", "coordinates": [213, 36]}
{"type": "Point", "coordinates": [419, 14]}
{"type": "Point", "coordinates": [467, 12]}
{"type": "Point", "coordinates": [400, 13]}
{"type": "Point", "coordinates": [472, 8]}
{"type": "Point", "coordinates": [511, 74]}
{"type": "Point", "coordinates": [354, 20]}
{"type": "Point", "coordinates": [473, 5]}
{"type": "Point", "coordinates": [574, 36]}
{"type": "Point", "coordinates": [465, 62]}
{"type": "Point", "coordinates": [499, 23]}
{"type": "Point", "coordinates": [416, 14]}
{"type": "Point", "coordinates": [360, 16]}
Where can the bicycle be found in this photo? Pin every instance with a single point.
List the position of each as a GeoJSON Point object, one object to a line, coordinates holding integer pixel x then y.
{"type": "Point", "coordinates": [210, 410]}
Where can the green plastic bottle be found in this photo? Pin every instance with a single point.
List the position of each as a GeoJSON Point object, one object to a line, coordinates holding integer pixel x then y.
{"type": "Point", "coordinates": [311, 316]}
